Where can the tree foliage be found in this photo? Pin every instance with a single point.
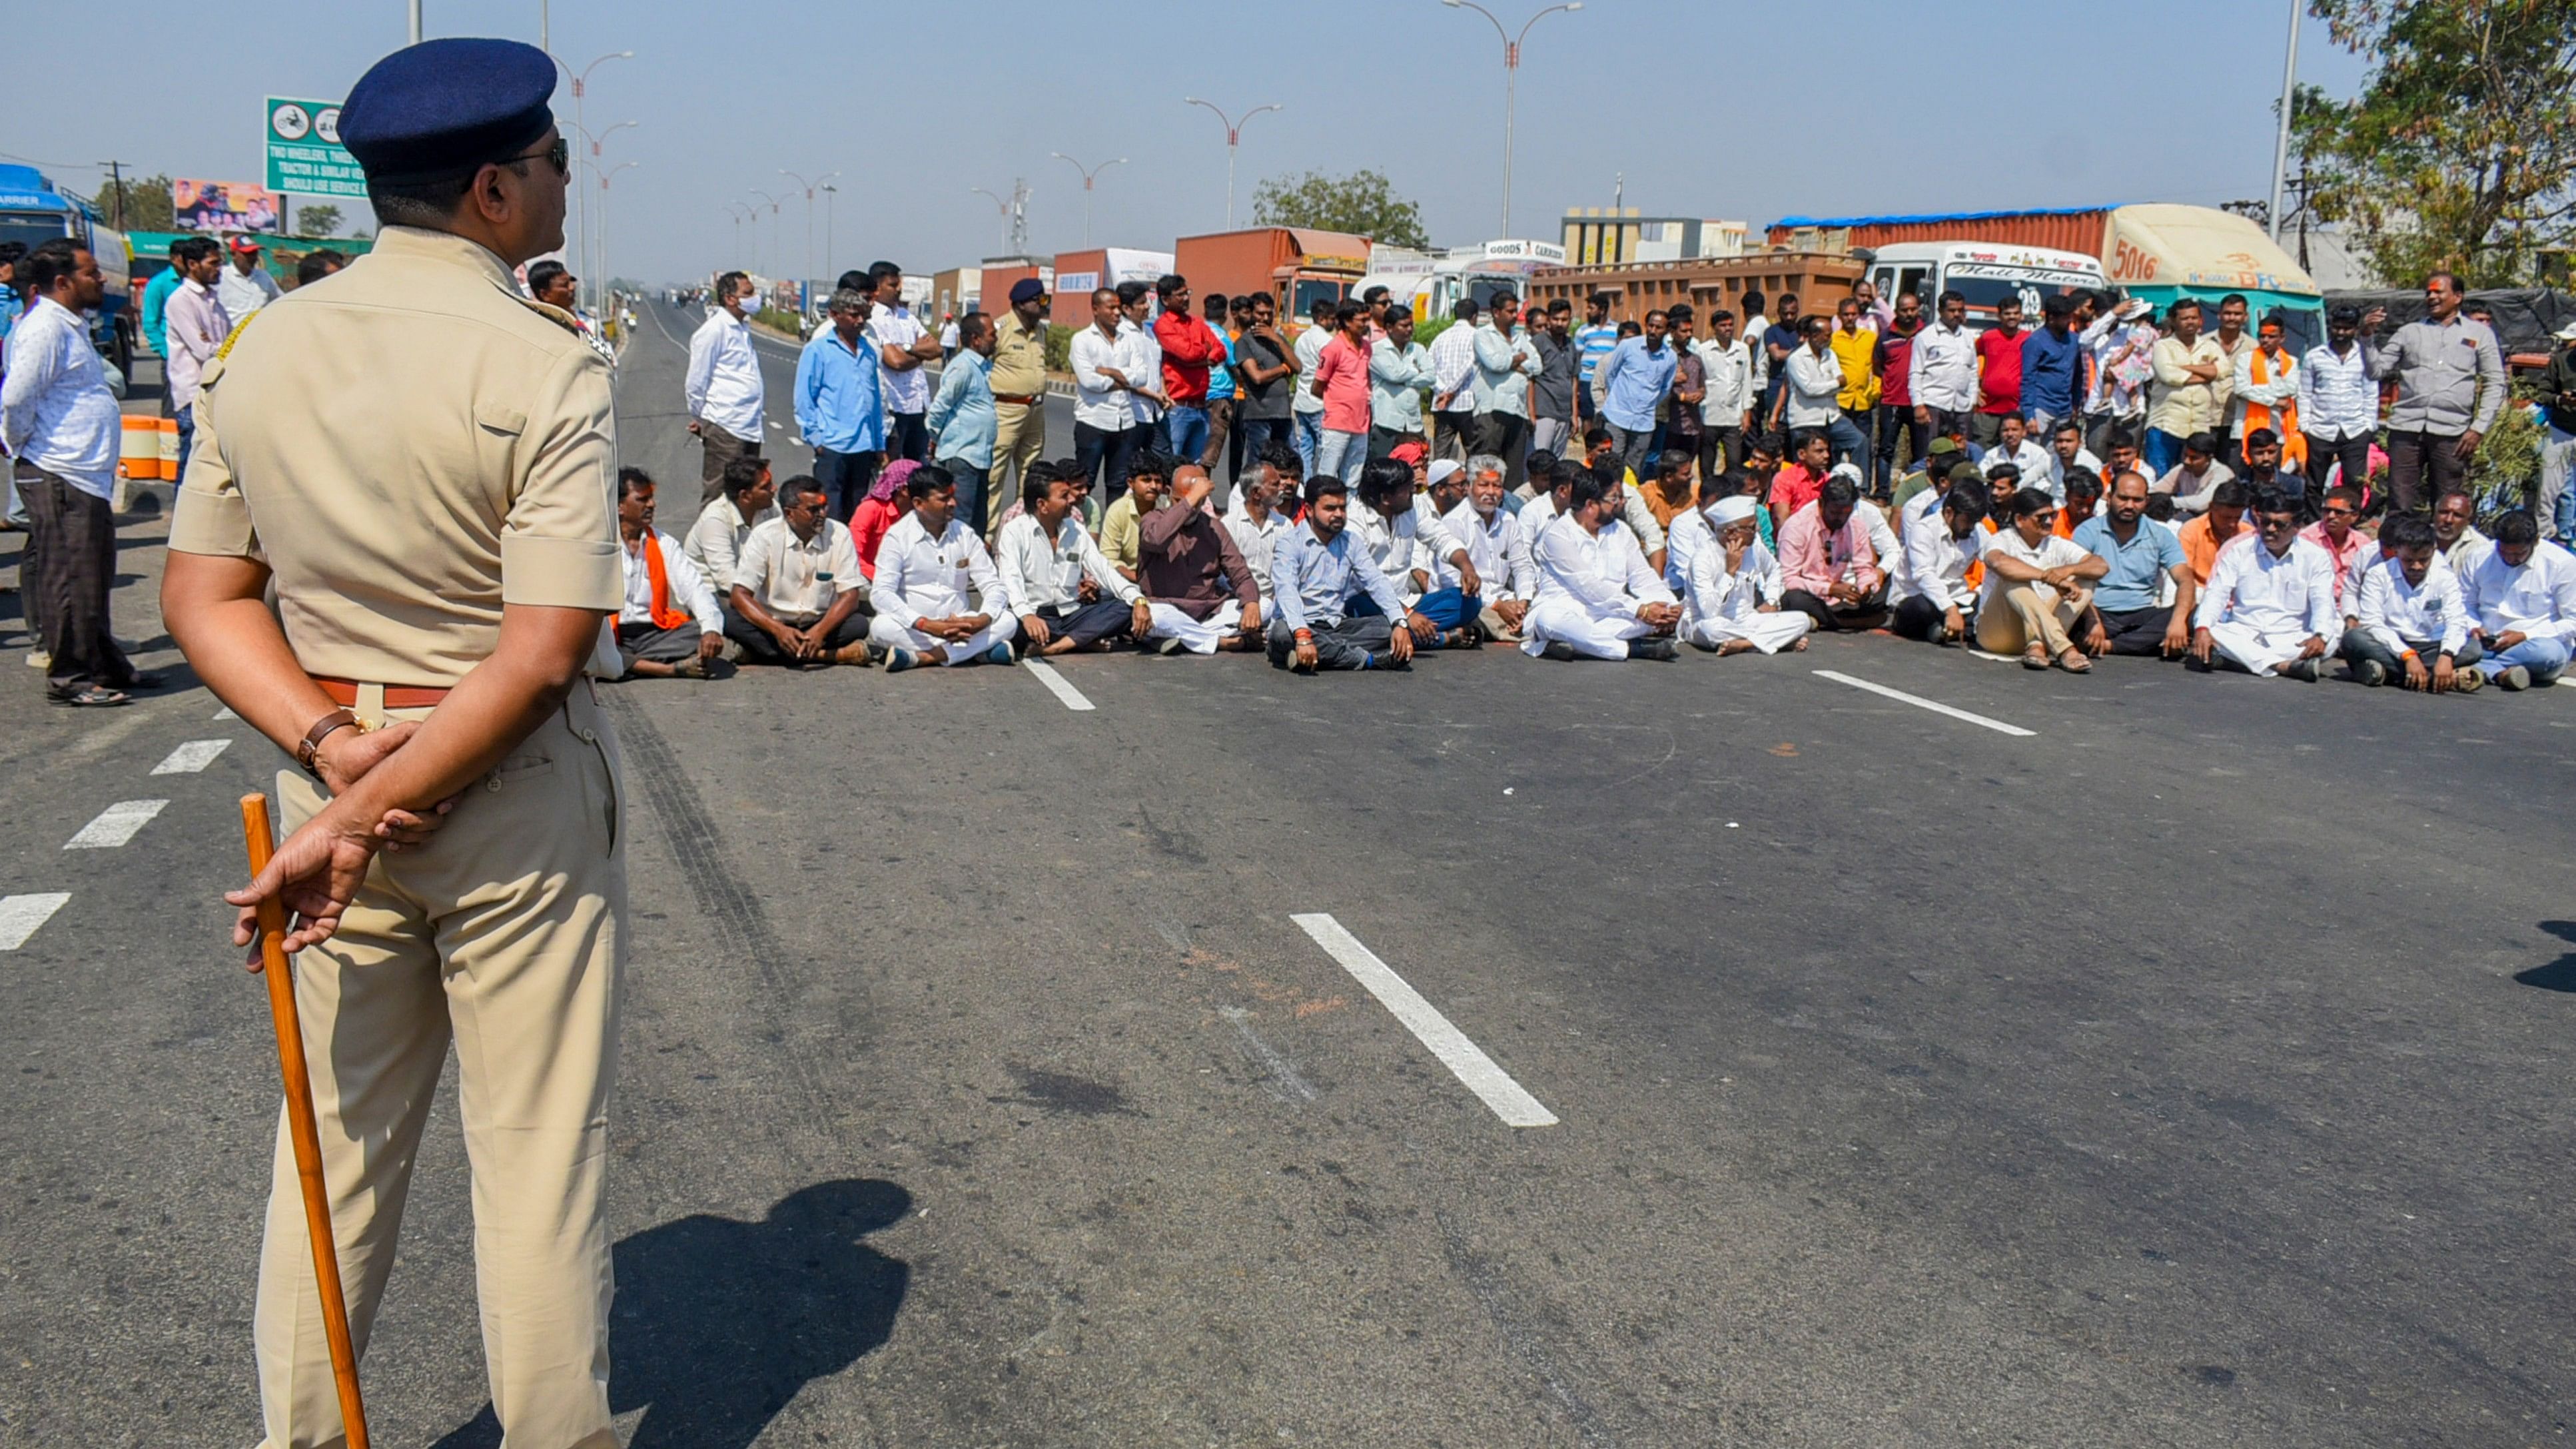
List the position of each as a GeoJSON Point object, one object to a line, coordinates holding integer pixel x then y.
{"type": "Point", "coordinates": [146, 203]}
{"type": "Point", "coordinates": [2460, 151]}
{"type": "Point", "coordinates": [316, 220]}
{"type": "Point", "coordinates": [1363, 202]}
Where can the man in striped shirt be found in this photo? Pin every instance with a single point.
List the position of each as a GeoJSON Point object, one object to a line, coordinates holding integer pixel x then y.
{"type": "Point", "coordinates": [1592, 343]}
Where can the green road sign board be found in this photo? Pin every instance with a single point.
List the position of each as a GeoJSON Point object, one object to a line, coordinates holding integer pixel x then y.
{"type": "Point", "coordinates": [305, 156]}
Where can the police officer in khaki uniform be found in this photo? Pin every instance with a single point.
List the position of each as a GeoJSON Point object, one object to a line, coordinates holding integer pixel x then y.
{"type": "Point", "coordinates": [422, 463]}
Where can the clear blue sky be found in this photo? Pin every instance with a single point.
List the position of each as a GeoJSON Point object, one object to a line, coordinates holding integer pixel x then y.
{"type": "Point", "coordinates": [1709, 109]}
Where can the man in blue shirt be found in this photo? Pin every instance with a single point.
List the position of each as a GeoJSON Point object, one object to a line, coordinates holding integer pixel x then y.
{"type": "Point", "coordinates": [838, 408]}
{"type": "Point", "coordinates": [2142, 553]}
{"type": "Point", "coordinates": [2052, 364]}
{"type": "Point", "coordinates": [963, 416]}
{"type": "Point", "coordinates": [1220, 393]}
{"type": "Point", "coordinates": [156, 298]}
{"type": "Point", "coordinates": [1634, 378]}
{"type": "Point", "coordinates": [1316, 569]}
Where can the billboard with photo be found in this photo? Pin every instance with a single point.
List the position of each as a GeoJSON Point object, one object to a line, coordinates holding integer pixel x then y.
{"type": "Point", "coordinates": [198, 205]}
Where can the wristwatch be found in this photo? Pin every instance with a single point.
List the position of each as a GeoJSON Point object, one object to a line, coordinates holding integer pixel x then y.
{"type": "Point", "coordinates": [308, 751]}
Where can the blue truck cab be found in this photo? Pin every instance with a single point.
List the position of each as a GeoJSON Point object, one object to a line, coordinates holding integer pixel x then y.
{"type": "Point", "coordinates": [34, 211]}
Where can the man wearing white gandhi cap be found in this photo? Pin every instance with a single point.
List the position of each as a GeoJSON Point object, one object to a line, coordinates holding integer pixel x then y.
{"type": "Point", "coordinates": [1731, 592]}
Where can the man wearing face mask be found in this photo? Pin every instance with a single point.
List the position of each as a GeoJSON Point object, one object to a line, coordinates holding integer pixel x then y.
{"type": "Point", "coordinates": [723, 387]}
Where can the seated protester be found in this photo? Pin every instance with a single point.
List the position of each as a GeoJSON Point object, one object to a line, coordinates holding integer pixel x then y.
{"type": "Point", "coordinates": [2121, 456]}
{"type": "Point", "coordinates": [1628, 501]}
{"type": "Point", "coordinates": [2194, 481]}
{"type": "Point", "coordinates": [799, 597]}
{"type": "Point", "coordinates": [2351, 550]}
{"type": "Point", "coordinates": [1253, 516]}
{"type": "Point", "coordinates": [1390, 528]}
{"type": "Point", "coordinates": [2037, 586]}
{"type": "Point", "coordinates": [2139, 555]}
{"type": "Point", "coordinates": [1440, 486]}
{"type": "Point", "coordinates": [1933, 592]}
{"type": "Point", "coordinates": [670, 624]}
{"type": "Point", "coordinates": [1691, 531]}
{"type": "Point", "coordinates": [886, 505]}
{"type": "Point", "coordinates": [1927, 500]}
{"type": "Point", "coordinates": [924, 569]}
{"type": "Point", "coordinates": [2264, 468]}
{"type": "Point", "coordinates": [1802, 480]}
{"type": "Point", "coordinates": [1316, 571]}
{"type": "Point", "coordinates": [1061, 588]}
{"type": "Point", "coordinates": [2213, 530]}
{"type": "Point", "coordinates": [1731, 592]}
{"type": "Point", "coordinates": [1550, 501]}
{"type": "Point", "coordinates": [1149, 482]}
{"type": "Point", "coordinates": [2066, 454]}
{"type": "Point", "coordinates": [2458, 538]}
{"type": "Point", "coordinates": [2521, 596]}
{"type": "Point", "coordinates": [1201, 593]}
{"type": "Point", "coordinates": [2026, 455]}
{"type": "Point", "coordinates": [1671, 493]}
{"type": "Point", "coordinates": [1597, 595]}
{"type": "Point", "coordinates": [2079, 499]}
{"type": "Point", "coordinates": [2002, 486]}
{"type": "Point", "coordinates": [1828, 569]}
{"type": "Point", "coordinates": [1873, 517]}
{"type": "Point", "coordinates": [2409, 610]}
{"type": "Point", "coordinates": [2269, 607]}
{"type": "Point", "coordinates": [1932, 474]}
{"type": "Point", "coordinates": [715, 540]}
{"type": "Point", "coordinates": [1492, 540]}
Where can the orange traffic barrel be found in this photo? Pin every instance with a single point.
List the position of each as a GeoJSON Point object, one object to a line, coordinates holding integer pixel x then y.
{"type": "Point", "coordinates": [170, 449]}
{"type": "Point", "coordinates": [138, 449]}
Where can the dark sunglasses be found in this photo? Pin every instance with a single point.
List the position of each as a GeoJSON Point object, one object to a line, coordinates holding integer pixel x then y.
{"type": "Point", "coordinates": [558, 155]}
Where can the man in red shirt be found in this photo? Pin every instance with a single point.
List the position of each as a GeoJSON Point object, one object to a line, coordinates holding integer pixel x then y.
{"type": "Point", "coordinates": [1798, 484]}
{"type": "Point", "coordinates": [1190, 348]}
{"type": "Point", "coordinates": [1893, 361]}
{"type": "Point", "coordinates": [1998, 374]}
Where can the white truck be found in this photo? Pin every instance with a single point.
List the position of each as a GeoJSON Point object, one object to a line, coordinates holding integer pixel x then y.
{"type": "Point", "coordinates": [1985, 273]}
{"type": "Point", "coordinates": [1431, 282]}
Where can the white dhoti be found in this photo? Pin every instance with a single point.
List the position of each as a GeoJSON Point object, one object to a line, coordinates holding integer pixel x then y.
{"type": "Point", "coordinates": [1199, 636]}
{"type": "Point", "coordinates": [2260, 651]}
{"type": "Point", "coordinates": [1563, 621]}
{"type": "Point", "coordinates": [1769, 633]}
{"type": "Point", "coordinates": [885, 631]}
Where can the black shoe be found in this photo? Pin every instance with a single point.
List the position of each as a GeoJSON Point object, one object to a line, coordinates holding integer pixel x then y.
{"type": "Point", "coordinates": [1653, 647]}
{"type": "Point", "coordinates": [2371, 673]}
{"type": "Point", "coordinates": [1559, 650]}
{"type": "Point", "coordinates": [2302, 670]}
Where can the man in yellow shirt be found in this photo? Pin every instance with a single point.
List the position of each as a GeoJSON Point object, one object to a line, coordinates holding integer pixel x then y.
{"type": "Point", "coordinates": [1855, 343]}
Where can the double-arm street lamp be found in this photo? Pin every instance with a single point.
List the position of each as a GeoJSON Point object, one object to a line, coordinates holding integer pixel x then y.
{"type": "Point", "coordinates": [1511, 81]}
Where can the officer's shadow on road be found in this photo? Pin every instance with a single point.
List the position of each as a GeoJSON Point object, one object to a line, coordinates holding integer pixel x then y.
{"type": "Point", "coordinates": [2558, 975]}
{"type": "Point", "coordinates": [719, 1323]}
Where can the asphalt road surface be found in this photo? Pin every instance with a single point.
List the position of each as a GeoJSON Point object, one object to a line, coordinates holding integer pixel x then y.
{"type": "Point", "coordinates": [2187, 1070]}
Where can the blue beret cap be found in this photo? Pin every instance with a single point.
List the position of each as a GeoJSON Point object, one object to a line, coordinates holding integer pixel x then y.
{"type": "Point", "coordinates": [443, 107]}
{"type": "Point", "coordinates": [1026, 289]}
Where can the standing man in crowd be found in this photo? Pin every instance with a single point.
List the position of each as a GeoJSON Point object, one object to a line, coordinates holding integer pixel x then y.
{"type": "Point", "coordinates": [1103, 424]}
{"type": "Point", "coordinates": [1892, 363]}
{"type": "Point", "coordinates": [1778, 342]}
{"type": "Point", "coordinates": [1943, 370]}
{"type": "Point", "coordinates": [2450, 388]}
{"type": "Point", "coordinates": [1633, 380]}
{"type": "Point", "coordinates": [2339, 404]}
{"type": "Point", "coordinates": [1220, 393]}
{"type": "Point", "coordinates": [247, 286]}
{"type": "Point", "coordinates": [1264, 377]}
{"type": "Point", "coordinates": [1018, 380]}
{"type": "Point", "coordinates": [723, 387]}
{"type": "Point", "coordinates": [443, 597]}
{"type": "Point", "coordinates": [1399, 375]}
{"type": "Point", "coordinates": [2263, 386]}
{"type": "Point", "coordinates": [964, 419]}
{"type": "Point", "coordinates": [2557, 389]}
{"type": "Point", "coordinates": [1189, 349]}
{"type": "Point", "coordinates": [1341, 381]}
{"type": "Point", "coordinates": [1855, 344]}
{"type": "Point", "coordinates": [1998, 372]}
{"type": "Point", "coordinates": [2052, 369]}
{"type": "Point", "coordinates": [1726, 409]}
{"type": "Point", "coordinates": [2187, 396]}
{"type": "Point", "coordinates": [1453, 384]}
{"type": "Point", "coordinates": [1811, 398]}
{"type": "Point", "coordinates": [838, 402]}
{"type": "Point", "coordinates": [1552, 405]}
{"type": "Point", "coordinates": [156, 295]}
{"type": "Point", "coordinates": [1592, 343]}
{"type": "Point", "coordinates": [1506, 360]}
{"type": "Point", "coordinates": [903, 345]}
{"type": "Point", "coordinates": [1305, 407]}
{"type": "Point", "coordinates": [193, 327]}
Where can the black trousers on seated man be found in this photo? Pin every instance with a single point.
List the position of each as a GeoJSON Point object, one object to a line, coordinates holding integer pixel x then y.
{"type": "Point", "coordinates": [1848, 618]}
{"type": "Point", "coordinates": [2358, 645]}
{"type": "Point", "coordinates": [759, 648]}
{"type": "Point", "coordinates": [1087, 624]}
{"type": "Point", "coordinates": [1354, 643]}
{"type": "Point", "coordinates": [1921, 620]}
{"type": "Point", "coordinates": [2137, 631]}
{"type": "Point", "coordinates": [649, 640]}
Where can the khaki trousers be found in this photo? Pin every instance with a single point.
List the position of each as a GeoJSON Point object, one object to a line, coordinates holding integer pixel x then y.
{"type": "Point", "coordinates": [2027, 614]}
{"type": "Point", "coordinates": [1019, 439]}
{"type": "Point", "coordinates": [504, 936]}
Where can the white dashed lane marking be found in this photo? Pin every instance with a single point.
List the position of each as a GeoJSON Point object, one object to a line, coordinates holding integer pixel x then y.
{"type": "Point", "coordinates": [23, 916]}
{"type": "Point", "coordinates": [191, 757]}
{"type": "Point", "coordinates": [115, 825]}
{"type": "Point", "coordinates": [1476, 1070]}
{"type": "Point", "coordinates": [226, 713]}
{"type": "Point", "coordinates": [1919, 702]}
{"type": "Point", "coordinates": [1057, 684]}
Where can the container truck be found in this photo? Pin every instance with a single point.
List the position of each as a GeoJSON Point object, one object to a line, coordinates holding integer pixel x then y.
{"type": "Point", "coordinates": [1078, 274]}
{"type": "Point", "coordinates": [35, 211]}
{"type": "Point", "coordinates": [1295, 266]}
{"type": "Point", "coordinates": [1433, 282]}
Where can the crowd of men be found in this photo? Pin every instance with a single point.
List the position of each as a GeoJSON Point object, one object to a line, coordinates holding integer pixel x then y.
{"type": "Point", "coordinates": [2109, 482]}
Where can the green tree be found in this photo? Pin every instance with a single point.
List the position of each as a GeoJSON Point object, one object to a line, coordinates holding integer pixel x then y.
{"type": "Point", "coordinates": [2460, 151]}
{"type": "Point", "coordinates": [1363, 202]}
{"type": "Point", "coordinates": [145, 203]}
{"type": "Point", "coordinates": [316, 220]}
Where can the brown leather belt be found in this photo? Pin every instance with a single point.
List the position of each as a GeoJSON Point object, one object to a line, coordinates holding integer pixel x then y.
{"type": "Point", "coordinates": [344, 693]}
{"type": "Point", "coordinates": [1004, 397]}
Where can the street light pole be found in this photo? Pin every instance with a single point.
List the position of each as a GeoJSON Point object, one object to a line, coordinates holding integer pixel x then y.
{"type": "Point", "coordinates": [599, 236]}
{"type": "Point", "coordinates": [809, 214]}
{"type": "Point", "coordinates": [2281, 146]}
{"type": "Point", "coordinates": [415, 22]}
{"type": "Point", "coordinates": [1511, 81]}
{"type": "Point", "coordinates": [580, 86]}
{"type": "Point", "coordinates": [737, 211]}
{"type": "Point", "coordinates": [1233, 134]}
{"type": "Point", "coordinates": [1087, 174]}
{"type": "Point", "coordinates": [1004, 208]}
{"type": "Point", "coordinates": [829, 192]}
{"type": "Point", "coordinates": [755, 223]}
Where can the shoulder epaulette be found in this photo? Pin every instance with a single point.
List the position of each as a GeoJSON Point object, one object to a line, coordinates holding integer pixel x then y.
{"type": "Point", "coordinates": [552, 313]}
{"type": "Point", "coordinates": [226, 350]}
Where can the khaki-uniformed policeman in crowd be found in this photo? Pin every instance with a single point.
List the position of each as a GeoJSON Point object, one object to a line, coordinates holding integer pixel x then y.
{"type": "Point", "coordinates": [423, 463]}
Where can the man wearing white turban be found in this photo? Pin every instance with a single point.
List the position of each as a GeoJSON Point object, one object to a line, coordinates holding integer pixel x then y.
{"type": "Point", "coordinates": [1731, 591]}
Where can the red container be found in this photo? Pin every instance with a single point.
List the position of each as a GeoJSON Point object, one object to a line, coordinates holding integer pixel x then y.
{"type": "Point", "coordinates": [2065, 231]}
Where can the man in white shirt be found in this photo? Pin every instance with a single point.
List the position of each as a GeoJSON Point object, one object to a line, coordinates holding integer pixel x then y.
{"type": "Point", "coordinates": [925, 567]}
{"type": "Point", "coordinates": [1731, 585]}
{"type": "Point", "coordinates": [1726, 409]}
{"type": "Point", "coordinates": [1104, 431]}
{"type": "Point", "coordinates": [1063, 591]}
{"type": "Point", "coordinates": [2013, 444]}
{"type": "Point", "coordinates": [903, 345]}
{"type": "Point", "coordinates": [715, 540]}
{"type": "Point", "coordinates": [1252, 516]}
{"type": "Point", "coordinates": [194, 325]}
{"type": "Point", "coordinates": [1506, 360]}
{"type": "Point", "coordinates": [670, 625]}
{"type": "Point", "coordinates": [2338, 403]}
{"type": "Point", "coordinates": [2461, 542]}
{"type": "Point", "coordinates": [245, 286]}
{"type": "Point", "coordinates": [2037, 586]}
{"type": "Point", "coordinates": [2411, 624]}
{"type": "Point", "coordinates": [723, 389]}
{"type": "Point", "coordinates": [1942, 372]}
{"type": "Point", "coordinates": [2192, 482]}
{"type": "Point", "coordinates": [1493, 542]}
{"type": "Point", "coordinates": [1453, 377]}
{"type": "Point", "coordinates": [2269, 607]}
{"type": "Point", "coordinates": [798, 596]}
{"type": "Point", "coordinates": [1141, 356]}
{"type": "Point", "coordinates": [1809, 399]}
{"type": "Point", "coordinates": [59, 421]}
{"type": "Point", "coordinates": [1414, 553]}
{"type": "Point", "coordinates": [2066, 453]}
{"type": "Point", "coordinates": [1597, 597]}
{"type": "Point", "coordinates": [2521, 596]}
{"type": "Point", "coordinates": [1931, 594]}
